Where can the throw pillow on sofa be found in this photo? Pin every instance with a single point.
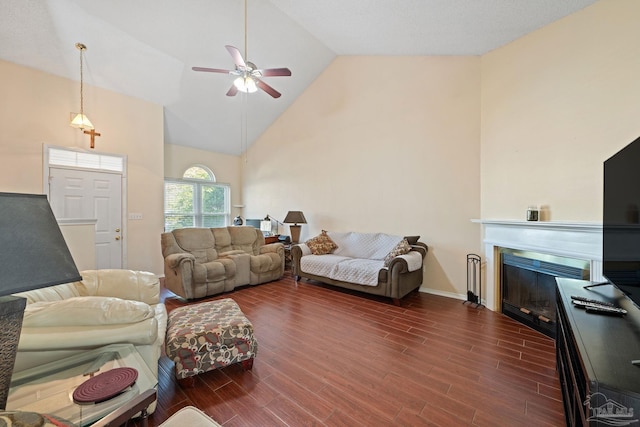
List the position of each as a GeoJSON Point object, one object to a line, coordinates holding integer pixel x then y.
{"type": "Point", "coordinates": [401, 248]}
{"type": "Point", "coordinates": [321, 244]}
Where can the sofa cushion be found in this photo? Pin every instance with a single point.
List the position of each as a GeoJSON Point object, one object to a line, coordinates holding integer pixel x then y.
{"type": "Point", "coordinates": [401, 248]}
{"type": "Point", "coordinates": [320, 265]}
{"type": "Point", "coordinates": [357, 270]}
{"type": "Point", "coordinates": [321, 244]}
{"type": "Point", "coordinates": [86, 311]}
{"type": "Point", "coordinates": [265, 263]}
{"type": "Point", "coordinates": [346, 269]}
{"type": "Point", "coordinates": [364, 245]}
{"type": "Point", "coordinates": [199, 242]}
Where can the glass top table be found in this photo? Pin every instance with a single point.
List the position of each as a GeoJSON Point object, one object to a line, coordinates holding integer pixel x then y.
{"type": "Point", "coordinates": [49, 388]}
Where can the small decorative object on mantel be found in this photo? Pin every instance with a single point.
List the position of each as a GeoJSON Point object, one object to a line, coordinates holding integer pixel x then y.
{"type": "Point", "coordinates": [533, 213]}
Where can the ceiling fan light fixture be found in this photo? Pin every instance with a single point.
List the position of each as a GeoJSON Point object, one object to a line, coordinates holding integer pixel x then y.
{"type": "Point", "coordinates": [245, 84]}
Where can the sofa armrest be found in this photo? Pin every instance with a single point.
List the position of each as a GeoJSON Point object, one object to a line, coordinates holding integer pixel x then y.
{"type": "Point", "coordinates": [78, 337]}
{"type": "Point", "coordinates": [125, 284]}
{"type": "Point", "coordinates": [86, 311]}
{"type": "Point", "coordinates": [174, 260]}
{"type": "Point", "coordinates": [420, 247]}
{"type": "Point", "coordinates": [272, 247]}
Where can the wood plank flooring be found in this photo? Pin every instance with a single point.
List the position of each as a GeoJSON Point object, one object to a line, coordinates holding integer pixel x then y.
{"type": "Point", "coordinates": [328, 357]}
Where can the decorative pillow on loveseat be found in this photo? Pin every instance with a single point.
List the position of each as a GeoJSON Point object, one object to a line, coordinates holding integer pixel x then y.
{"type": "Point", "coordinates": [401, 248]}
{"type": "Point", "coordinates": [321, 244]}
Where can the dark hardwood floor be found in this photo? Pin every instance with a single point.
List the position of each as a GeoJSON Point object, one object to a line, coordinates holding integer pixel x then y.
{"type": "Point", "coordinates": [327, 357]}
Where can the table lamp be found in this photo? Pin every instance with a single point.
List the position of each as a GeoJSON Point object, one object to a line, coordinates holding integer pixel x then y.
{"type": "Point", "coordinates": [295, 217]}
{"type": "Point", "coordinates": [33, 255]}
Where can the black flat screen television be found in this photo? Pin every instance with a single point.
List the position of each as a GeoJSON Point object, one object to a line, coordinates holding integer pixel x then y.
{"type": "Point", "coordinates": [621, 220]}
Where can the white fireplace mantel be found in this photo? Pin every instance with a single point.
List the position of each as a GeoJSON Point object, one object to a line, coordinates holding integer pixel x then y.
{"type": "Point", "coordinates": [579, 240]}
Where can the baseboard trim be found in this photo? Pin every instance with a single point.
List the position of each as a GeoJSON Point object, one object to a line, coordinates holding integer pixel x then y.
{"type": "Point", "coordinates": [461, 297]}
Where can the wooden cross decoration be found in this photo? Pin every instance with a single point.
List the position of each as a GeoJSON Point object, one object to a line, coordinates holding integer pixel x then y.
{"type": "Point", "coordinates": [93, 134]}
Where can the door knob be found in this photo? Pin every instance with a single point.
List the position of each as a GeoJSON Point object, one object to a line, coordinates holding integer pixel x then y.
{"type": "Point", "coordinates": [117, 230]}
{"type": "Point", "coordinates": [117, 237]}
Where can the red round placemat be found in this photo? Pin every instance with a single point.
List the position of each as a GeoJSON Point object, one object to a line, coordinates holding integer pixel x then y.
{"type": "Point", "coordinates": [105, 385]}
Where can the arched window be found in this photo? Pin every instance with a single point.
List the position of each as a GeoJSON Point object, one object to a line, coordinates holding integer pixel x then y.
{"type": "Point", "coordinates": [199, 172]}
{"type": "Point", "coordinates": [196, 200]}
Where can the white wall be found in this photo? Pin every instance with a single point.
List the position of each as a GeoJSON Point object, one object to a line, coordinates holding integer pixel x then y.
{"type": "Point", "coordinates": [556, 104]}
{"type": "Point", "coordinates": [36, 111]}
{"type": "Point", "coordinates": [380, 144]}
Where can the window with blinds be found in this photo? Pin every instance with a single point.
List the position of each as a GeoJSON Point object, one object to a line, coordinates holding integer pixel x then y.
{"type": "Point", "coordinates": [195, 202]}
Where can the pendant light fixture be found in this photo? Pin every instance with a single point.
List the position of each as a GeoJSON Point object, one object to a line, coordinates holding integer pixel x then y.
{"type": "Point", "coordinates": [81, 121]}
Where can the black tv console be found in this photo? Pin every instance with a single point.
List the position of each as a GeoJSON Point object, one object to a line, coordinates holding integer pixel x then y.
{"type": "Point", "coordinates": [600, 385]}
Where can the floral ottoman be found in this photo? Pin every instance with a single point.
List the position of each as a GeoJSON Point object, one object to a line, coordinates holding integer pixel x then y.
{"type": "Point", "coordinates": [209, 335]}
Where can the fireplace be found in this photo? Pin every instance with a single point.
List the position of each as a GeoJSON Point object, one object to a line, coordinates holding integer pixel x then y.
{"type": "Point", "coordinates": [575, 240]}
{"type": "Point", "coordinates": [529, 287]}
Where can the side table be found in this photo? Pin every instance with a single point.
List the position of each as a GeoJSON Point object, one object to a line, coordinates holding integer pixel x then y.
{"type": "Point", "coordinates": [49, 388]}
{"type": "Point", "coordinates": [288, 260]}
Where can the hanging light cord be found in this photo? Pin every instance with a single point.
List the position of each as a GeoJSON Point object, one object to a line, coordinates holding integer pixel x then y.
{"type": "Point", "coordinates": [243, 131]}
{"type": "Point", "coordinates": [246, 52]}
{"type": "Point", "coordinates": [81, 47]}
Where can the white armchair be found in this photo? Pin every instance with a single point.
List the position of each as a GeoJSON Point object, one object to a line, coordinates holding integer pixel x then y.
{"type": "Point", "coordinates": [106, 307]}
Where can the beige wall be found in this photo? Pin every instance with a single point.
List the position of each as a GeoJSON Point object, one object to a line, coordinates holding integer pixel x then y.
{"type": "Point", "coordinates": [226, 168]}
{"type": "Point", "coordinates": [35, 111]}
{"type": "Point", "coordinates": [556, 104]}
{"type": "Point", "coordinates": [380, 144]}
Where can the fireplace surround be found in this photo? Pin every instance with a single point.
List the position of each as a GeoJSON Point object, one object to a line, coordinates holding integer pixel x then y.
{"type": "Point", "coordinates": [574, 240]}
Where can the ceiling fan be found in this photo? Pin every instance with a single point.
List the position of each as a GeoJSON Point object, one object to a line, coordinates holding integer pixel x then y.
{"type": "Point", "coordinates": [247, 75]}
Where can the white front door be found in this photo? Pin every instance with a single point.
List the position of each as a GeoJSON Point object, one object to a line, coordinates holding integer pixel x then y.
{"type": "Point", "coordinates": [82, 194]}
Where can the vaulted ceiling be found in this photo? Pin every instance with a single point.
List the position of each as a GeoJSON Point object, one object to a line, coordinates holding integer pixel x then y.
{"type": "Point", "coordinates": [146, 48]}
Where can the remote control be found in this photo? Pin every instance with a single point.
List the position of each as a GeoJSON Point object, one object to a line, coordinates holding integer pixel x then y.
{"type": "Point", "coordinates": [606, 310]}
{"type": "Point", "coordinates": [594, 301]}
{"type": "Point", "coordinates": [589, 306]}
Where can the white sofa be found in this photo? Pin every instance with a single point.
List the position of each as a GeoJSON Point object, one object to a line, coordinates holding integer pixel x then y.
{"type": "Point", "coordinates": [358, 263]}
{"type": "Point", "coordinates": [106, 307]}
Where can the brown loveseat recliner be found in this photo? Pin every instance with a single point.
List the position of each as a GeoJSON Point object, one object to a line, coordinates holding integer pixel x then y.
{"type": "Point", "coordinates": [200, 262]}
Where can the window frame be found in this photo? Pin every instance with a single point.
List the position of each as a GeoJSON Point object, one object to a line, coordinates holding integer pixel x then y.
{"type": "Point", "coordinates": [198, 215]}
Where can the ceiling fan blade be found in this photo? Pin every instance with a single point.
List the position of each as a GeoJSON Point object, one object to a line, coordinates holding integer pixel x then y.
{"type": "Point", "coordinates": [211, 70]}
{"type": "Point", "coordinates": [233, 90]}
{"type": "Point", "coordinates": [265, 87]}
{"type": "Point", "coordinates": [272, 72]}
{"type": "Point", "coordinates": [237, 56]}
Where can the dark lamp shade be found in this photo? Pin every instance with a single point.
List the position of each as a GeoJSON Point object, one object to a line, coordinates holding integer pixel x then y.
{"type": "Point", "coordinates": [33, 252]}
{"type": "Point", "coordinates": [295, 217]}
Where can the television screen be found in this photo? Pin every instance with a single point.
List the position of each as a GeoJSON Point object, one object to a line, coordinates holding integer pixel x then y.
{"type": "Point", "coordinates": [621, 220]}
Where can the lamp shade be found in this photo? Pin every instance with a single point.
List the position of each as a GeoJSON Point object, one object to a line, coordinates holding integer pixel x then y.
{"type": "Point", "coordinates": [295, 217]}
{"type": "Point", "coordinates": [33, 252]}
{"type": "Point", "coordinates": [80, 121]}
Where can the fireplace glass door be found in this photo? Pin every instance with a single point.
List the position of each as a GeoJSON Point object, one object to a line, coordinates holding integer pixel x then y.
{"type": "Point", "coordinates": [529, 287]}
